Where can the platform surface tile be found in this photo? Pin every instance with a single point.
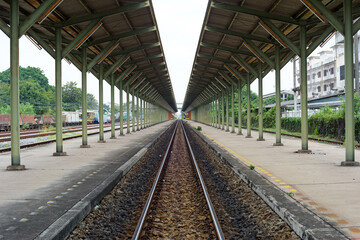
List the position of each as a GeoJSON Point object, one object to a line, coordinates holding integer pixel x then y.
{"type": "Point", "coordinates": [33, 199]}
{"type": "Point", "coordinates": [317, 180]}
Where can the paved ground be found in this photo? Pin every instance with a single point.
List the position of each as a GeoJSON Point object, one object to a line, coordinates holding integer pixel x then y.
{"type": "Point", "coordinates": [33, 199]}
{"type": "Point", "coordinates": [317, 180]}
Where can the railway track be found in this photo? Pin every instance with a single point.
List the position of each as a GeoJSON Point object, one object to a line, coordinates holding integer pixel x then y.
{"type": "Point", "coordinates": [178, 205]}
{"type": "Point", "coordinates": [8, 149]}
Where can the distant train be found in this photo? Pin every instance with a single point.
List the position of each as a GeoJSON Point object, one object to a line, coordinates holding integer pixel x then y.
{"type": "Point", "coordinates": [31, 121]}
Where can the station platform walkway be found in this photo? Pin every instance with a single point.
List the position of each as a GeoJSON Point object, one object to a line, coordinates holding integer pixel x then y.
{"type": "Point", "coordinates": [32, 200]}
{"type": "Point", "coordinates": [317, 180]}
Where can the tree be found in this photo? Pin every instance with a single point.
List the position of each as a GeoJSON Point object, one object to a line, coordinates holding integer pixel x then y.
{"type": "Point", "coordinates": [92, 102]}
{"type": "Point", "coordinates": [4, 94]}
{"type": "Point", "coordinates": [25, 108]}
{"type": "Point", "coordinates": [31, 92]}
{"type": "Point", "coordinates": [33, 73]}
{"type": "Point", "coordinates": [71, 96]}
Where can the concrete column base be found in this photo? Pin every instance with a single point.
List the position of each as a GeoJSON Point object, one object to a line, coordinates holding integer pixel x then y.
{"type": "Point", "coordinates": [227, 130]}
{"type": "Point", "coordinates": [101, 141]}
{"type": "Point", "coordinates": [120, 135]}
{"type": "Point", "coordinates": [248, 136]}
{"type": "Point", "coordinates": [113, 137]}
{"type": "Point", "coordinates": [15, 168]}
{"type": "Point", "coordinates": [84, 146]}
{"type": "Point", "coordinates": [240, 134]}
{"type": "Point", "coordinates": [260, 139]}
{"type": "Point", "coordinates": [233, 131]}
{"type": "Point", "coordinates": [304, 151]}
{"type": "Point", "coordinates": [278, 144]}
{"type": "Point", "coordinates": [349, 163]}
{"type": "Point", "coordinates": [59, 154]}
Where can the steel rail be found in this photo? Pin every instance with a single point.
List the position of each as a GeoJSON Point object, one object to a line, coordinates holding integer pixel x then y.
{"type": "Point", "coordinates": [219, 232]}
{"type": "Point", "coordinates": [141, 222]}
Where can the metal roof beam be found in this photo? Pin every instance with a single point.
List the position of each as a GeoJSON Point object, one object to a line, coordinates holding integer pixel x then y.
{"type": "Point", "coordinates": [125, 73]}
{"type": "Point", "coordinates": [142, 47]}
{"type": "Point", "coordinates": [146, 58]}
{"type": "Point", "coordinates": [244, 64]}
{"type": "Point", "coordinates": [214, 58]}
{"type": "Point", "coordinates": [104, 14]}
{"type": "Point", "coordinates": [227, 78]}
{"type": "Point", "coordinates": [35, 16]}
{"type": "Point", "coordinates": [118, 63]}
{"type": "Point", "coordinates": [224, 84]}
{"type": "Point", "coordinates": [241, 35]}
{"type": "Point", "coordinates": [252, 12]}
{"type": "Point", "coordinates": [103, 53]}
{"type": "Point", "coordinates": [227, 49]}
{"type": "Point", "coordinates": [319, 40]}
{"type": "Point", "coordinates": [259, 54]}
{"type": "Point", "coordinates": [235, 73]}
{"type": "Point", "coordinates": [121, 35]}
{"type": "Point", "coordinates": [42, 43]}
{"type": "Point", "coordinates": [275, 32]}
{"type": "Point", "coordinates": [79, 37]}
{"type": "Point", "coordinates": [324, 14]}
{"type": "Point", "coordinates": [132, 79]}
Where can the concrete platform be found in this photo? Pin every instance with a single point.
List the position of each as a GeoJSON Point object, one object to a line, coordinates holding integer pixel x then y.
{"type": "Point", "coordinates": [315, 181]}
{"type": "Point", "coordinates": [33, 199]}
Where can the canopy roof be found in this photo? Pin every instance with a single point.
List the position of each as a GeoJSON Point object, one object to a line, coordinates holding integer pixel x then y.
{"type": "Point", "coordinates": [239, 34]}
{"type": "Point", "coordinates": [128, 37]}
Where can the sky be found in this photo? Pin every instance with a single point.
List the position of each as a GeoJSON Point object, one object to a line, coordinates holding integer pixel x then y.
{"type": "Point", "coordinates": [179, 25]}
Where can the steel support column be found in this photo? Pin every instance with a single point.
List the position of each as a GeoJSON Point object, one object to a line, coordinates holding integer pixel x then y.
{"type": "Point", "coordinates": [227, 110]}
{"type": "Point", "coordinates": [127, 110]}
{"type": "Point", "coordinates": [58, 94]}
{"type": "Point", "coordinates": [141, 113]}
{"type": "Point", "coordinates": [277, 97]}
{"type": "Point", "coordinates": [219, 112]}
{"type": "Point", "coordinates": [349, 88]}
{"type": "Point", "coordinates": [137, 113]}
{"type": "Point", "coordinates": [101, 104]}
{"type": "Point", "coordinates": [239, 108]}
{"type": "Point", "coordinates": [303, 89]}
{"type": "Point", "coordinates": [121, 108]}
{"type": "Point", "coordinates": [222, 112]}
{"type": "Point", "coordinates": [112, 93]}
{"type": "Point", "coordinates": [133, 111]}
{"type": "Point", "coordinates": [14, 87]}
{"type": "Point", "coordinates": [260, 113]}
{"type": "Point", "coordinates": [83, 98]}
{"type": "Point", "coordinates": [232, 110]}
{"type": "Point", "coordinates": [248, 94]}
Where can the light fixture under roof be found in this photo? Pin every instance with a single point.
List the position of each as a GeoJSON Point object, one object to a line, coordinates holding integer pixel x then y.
{"type": "Point", "coordinates": [121, 63]}
{"type": "Point", "coordinates": [239, 62]}
{"type": "Point", "coordinates": [49, 11]}
{"type": "Point", "coordinates": [314, 10]}
{"type": "Point", "coordinates": [254, 52]}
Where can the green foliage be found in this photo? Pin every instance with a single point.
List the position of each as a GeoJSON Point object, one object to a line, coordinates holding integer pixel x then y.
{"type": "Point", "coordinates": [33, 73]}
{"type": "Point", "coordinates": [291, 124]}
{"type": "Point", "coordinates": [251, 167]}
{"type": "Point", "coordinates": [92, 102]}
{"type": "Point", "coordinates": [25, 108]}
{"type": "Point", "coordinates": [4, 94]}
{"type": "Point", "coordinates": [71, 96]}
{"type": "Point", "coordinates": [269, 100]}
{"type": "Point", "coordinates": [269, 118]}
{"type": "Point", "coordinates": [32, 92]}
{"type": "Point", "coordinates": [199, 128]}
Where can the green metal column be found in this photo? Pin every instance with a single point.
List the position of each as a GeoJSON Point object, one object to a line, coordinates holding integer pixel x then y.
{"type": "Point", "coordinates": [219, 112]}
{"type": "Point", "coordinates": [14, 87]}
{"type": "Point", "coordinates": [58, 94]}
{"type": "Point", "coordinates": [121, 108]}
{"type": "Point", "coordinates": [239, 109]}
{"type": "Point", "coordinates": [127, 110]}
{"type": "Point", "coordinates": [303, 89]}
{"type": "Point", "coordinates": [232, 110]}
{"type": "Point", "coordinates": [101, 104]}
{"type": "Point", "coordinates": [349, 88]}
{"type": "Point", "coordinates": [112, 91]}
{"type": "Point", "coordinates": [137, 113]}
{"type": "Point", "coordinates": [261, 134]}
{"type": "Point", "coordinates": [222, 111]}
{"type": "Point", "coordinates": [83, 98]}
{"type": "Point", "coordinates": [248, 93]}
{"type": "Point", "coordinates": [133, 111]}
{"type": "Point", "coordinates": [141, 113]}
{"type": "Point", "coordinates": [227, 111]}
{"type": "Point", "coordinates": [277, 97]}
